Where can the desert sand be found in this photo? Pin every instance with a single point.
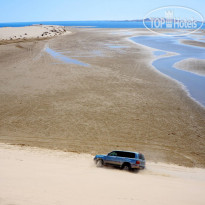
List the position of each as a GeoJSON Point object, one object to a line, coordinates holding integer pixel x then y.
{"type": "Point", "coordinates": [117, 102]}
{"type": "Point", "coordinates": [40, 176]}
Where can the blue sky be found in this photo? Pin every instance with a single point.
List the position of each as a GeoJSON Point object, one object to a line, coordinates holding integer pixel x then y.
{"type": "Point", "coordinates": [71, 10]}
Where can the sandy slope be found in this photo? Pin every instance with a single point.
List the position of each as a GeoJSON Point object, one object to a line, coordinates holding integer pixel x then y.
{"type": "Point", "coordinates": [41, 176]}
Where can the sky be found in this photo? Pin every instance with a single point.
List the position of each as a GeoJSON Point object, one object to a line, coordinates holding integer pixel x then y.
{"type": "Point", "coordinates": [77, 10]}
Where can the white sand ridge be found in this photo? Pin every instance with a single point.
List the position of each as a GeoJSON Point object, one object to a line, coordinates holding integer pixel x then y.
{"type": "Point", "coordinates": [27, 32]}
{"type": "Point", "coordinates": [40, 176]}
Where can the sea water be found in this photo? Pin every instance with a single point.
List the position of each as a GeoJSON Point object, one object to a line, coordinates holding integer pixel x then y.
{"type": "Point", "coordinates": [96, 24]}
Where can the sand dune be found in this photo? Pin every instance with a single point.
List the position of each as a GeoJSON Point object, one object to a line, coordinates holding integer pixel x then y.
{"type": "Point", "coordinates": [41, 176]}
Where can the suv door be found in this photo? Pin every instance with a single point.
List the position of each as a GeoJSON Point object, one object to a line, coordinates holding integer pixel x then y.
{"type": "Point", "coordinates": [121, 157]}
{"type": "Point", "coordinates": [111, 158]}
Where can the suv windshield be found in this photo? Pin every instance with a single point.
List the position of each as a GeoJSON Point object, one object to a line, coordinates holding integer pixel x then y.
{"type": "Point", "coordinates": [112, 154]}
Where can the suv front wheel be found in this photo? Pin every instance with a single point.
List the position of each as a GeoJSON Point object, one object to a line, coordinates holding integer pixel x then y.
{"type": "Point", "coordinates": [99, 163]}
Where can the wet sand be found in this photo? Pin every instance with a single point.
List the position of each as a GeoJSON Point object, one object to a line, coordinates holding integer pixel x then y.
{"type": "Point", "coordinates": [119, 102]}
{"type": "Point", "coordinates": [194, 43]}
{"type": "Point", "coordinates": [193, 65]}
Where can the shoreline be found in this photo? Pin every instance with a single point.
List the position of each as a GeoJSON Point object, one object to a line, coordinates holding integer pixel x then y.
{"type": "Point", "coordinates": [182, 84]}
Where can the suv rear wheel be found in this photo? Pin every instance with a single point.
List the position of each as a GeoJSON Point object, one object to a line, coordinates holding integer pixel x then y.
{"type": "Point", "coordinates": [126, 166]}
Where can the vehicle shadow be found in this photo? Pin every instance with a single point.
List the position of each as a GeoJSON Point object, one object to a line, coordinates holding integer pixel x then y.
{"type": "Point", "coordinates": [133, 171]}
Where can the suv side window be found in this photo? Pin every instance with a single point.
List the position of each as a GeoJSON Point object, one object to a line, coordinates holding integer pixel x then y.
{"type": "Point", "coordinates": [120, 154]}
{"type": "Point", "coordinates": [126, 154]}
{"type": "Point", "coordinates": [112, 154]}
{"type": "Point", "coordinates": [130, 155]}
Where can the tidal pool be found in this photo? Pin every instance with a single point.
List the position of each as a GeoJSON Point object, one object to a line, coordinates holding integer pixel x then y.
{"type": "Point", "coordinates": [194, 83]}
{"type": "Point", "coordinates": [64, 58]}
{"type": "Point", "coordinates": [159, 53]}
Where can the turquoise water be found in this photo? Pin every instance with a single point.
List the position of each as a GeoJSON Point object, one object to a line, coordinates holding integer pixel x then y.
{"type": "Point", "coordinates": [97, 24]}
{"type": "Point", "coordinates": [195, 84]}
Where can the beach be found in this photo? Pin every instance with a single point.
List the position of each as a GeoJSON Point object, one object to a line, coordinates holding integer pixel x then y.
{"type": "Point", "coordinates": [35, 32]}
{"type": "Point", "coordinates": [117, 101]}
{"type": "Point", "coordinates": [41, 176]}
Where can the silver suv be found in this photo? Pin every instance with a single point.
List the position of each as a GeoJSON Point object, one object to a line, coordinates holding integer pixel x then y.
{"type": "Point", "coordinates": [123, 159]}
